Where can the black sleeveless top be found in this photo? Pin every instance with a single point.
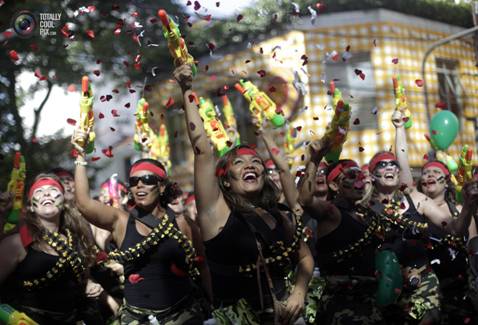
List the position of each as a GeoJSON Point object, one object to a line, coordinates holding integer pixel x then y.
{"type": "Point", "coordinates": [332, 257]}
{"type": "Point", "coordinates": [447, 254]}
{"type": "Point", "coordinates": [409, 242]}
{"type": "Point", "coordinates": [60, 296]}
{"type": "Point", "coordinates": [233, 254]}
{"type": "Point", "coordinates": [165, 280]}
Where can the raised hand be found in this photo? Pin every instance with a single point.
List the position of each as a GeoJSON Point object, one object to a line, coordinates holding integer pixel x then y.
{"type": "Point", "coordinates": [184, 76]}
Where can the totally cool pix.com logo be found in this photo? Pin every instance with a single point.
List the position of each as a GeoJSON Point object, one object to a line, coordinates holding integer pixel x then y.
{"type": "Point", "coordinates": [25, 23]}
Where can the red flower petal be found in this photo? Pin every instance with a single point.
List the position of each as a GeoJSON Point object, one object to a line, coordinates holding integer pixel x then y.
{"type": "Point", "coordinates": [13, 55]}
{"type": "Point", "coordinates": [239, 18]}
{"type": "Point", "coordinates": [395, 60]}
{"type": "Point", "coordinates": [135, 278]}
{"type": "Point", "coordinates": [95, 158]}
{"type": "Point", "coordinates": [101, 115]}
{"type": "Point", "coordinates": [108, 152]}
{"type": "Point", "coordinates": [170, 102]}
{"type": "Point", "coordinates": [357, 121]}
{"type": "Point", "coordinates": [261, 73]}
{"type": "Point", "coordinates": [71, 121]}
{"type": "Point", "coordinates": [441, 105]}
{"type": "Point", "coordinates": [177, 271]}
{"type": "Point", "coordinates": [114, 112]}
{"type": "Point", "coordinates": [90, 34]}
{"type": "Point", "coordinates": [419, 82]}
{"type": "Point", "coordinates": [97, 73]}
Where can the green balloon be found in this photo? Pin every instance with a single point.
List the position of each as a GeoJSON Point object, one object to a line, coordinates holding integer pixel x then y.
{"type": "Point", "coordinates": [389, 282]}
{"type": "Point", "coordinates": [443, 129]}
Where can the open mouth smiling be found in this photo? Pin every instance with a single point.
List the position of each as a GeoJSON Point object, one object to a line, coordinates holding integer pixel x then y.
{"type": "Point", "coordinates": [249, 177]}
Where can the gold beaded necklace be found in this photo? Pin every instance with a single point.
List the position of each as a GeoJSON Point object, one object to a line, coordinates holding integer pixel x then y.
{"type": "Point", "coordinates": [391, 214]}
{"type": "Point", "coordinates": [165, 229]}
{"type": "Point", "coordinates": [68, 256]}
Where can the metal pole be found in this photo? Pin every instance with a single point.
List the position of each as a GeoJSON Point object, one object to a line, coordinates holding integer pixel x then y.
{"type": "Point", "coordinates": [430, 49]}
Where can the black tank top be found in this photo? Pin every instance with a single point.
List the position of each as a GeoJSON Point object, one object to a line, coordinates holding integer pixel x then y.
{"type": "Point", "coordinates": [61, 295]}
{"type": "Point", "coordinates": [448, 261]}
{"type": "Point", "coordinates": [234, 249]}
{"type": "Point", "coordinates": [409, 242]}
{"type": "Point", "coordinates": [162, 285]}
{"type": "Point", "coordinates": [349, 232]}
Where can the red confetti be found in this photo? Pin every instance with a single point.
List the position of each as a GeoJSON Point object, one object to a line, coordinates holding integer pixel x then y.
{"type": "Point", "coordinates": [275, 151]}
{"type": "Point", "coordinates": [74, 153]}
{"type": "Point", "coordinates": [239, 18]}
{"type": "Point", "coordinates": [395, 60]}
{"type": "Point", "coordinates": [95, 158]}
{"type": "Point", "coordinates": [135, 278]}
{"type": "Point", "coordinates": [90, 33]}
{"type": "Point", "coordinates": [108, 152]}
{"type": "Point", "coordinates": [441, 105]}
{"type": "Point", "coordinates": [434, 132]}
{"type": "Point", "coordinates": [192, 126]}
{"type": "Point", "coordinates": [356, 121]}
{"type": "Point", "coordinates": [115, 113]}
{"type": "Point", "coordinates": [112, 129]}
{"type": "Point", "coordinates": [298, 128]}
{"type": "Point", "coordinates": [101, 256]}
{"type": "Point", "coordinates": [425, 157]}
{"type": "Point", "coordinates": [261, 73]}
{"type": "Point", "coordinates": [197, 5]}
{"type": "Point", "coordinates": [97, 73]}
{"type": "Point", "coordinates": [13, 55]}
{"type": "Point", "coordinates": [34, 47]}
{"type": "Point", "coordinates": [71, 88]}
{"type": "Point", "coordinates": [211, 46]}
{"type": "Point", "coordinates": [127, 105]}
{"type": "Point", "coordinates": [419, 82]}
{"type": "Point", "coordinates": [39, 75]}
{"type": "Point", "coordinates": [71, 121]}
{"type": "Point", "coordinates": [170, 102]}
{"type": "Point", "coordinates": [217, 4]}
{"type": "Point", "coordinates": [116, 91]}
{"type": "Point", "coordinates": [361, 149]}
{"type": "Point", "coordinates": [397, 291]}
{"type": "Point", "coordinates": [199, 259]}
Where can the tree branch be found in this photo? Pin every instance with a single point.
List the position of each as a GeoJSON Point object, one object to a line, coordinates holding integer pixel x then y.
{"type": "Point", "coordinates": [37, 112]}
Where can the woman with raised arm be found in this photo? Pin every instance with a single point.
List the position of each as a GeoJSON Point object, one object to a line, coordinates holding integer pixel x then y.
{"type": "Point", "coordinates": [44, 266]}
{"type": "Point", "coordinates": [346, 242]}
{"type": "Point", "coordinates": [160, 253]}
{"type": "Point", "coordinates": [447, 255]}
{"type": "Point", "coordinates": [250, 242]}
{"type": "Point", "coordinates": [406, 214]}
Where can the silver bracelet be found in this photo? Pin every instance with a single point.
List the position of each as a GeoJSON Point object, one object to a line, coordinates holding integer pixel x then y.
{"type": "Point", "coordinates": [80, 162]}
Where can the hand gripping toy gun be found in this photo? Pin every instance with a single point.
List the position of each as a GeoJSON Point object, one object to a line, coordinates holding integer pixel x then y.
{"type": "Point", "coordinates": [10, 316]}
{"type": "Point", "coordinates": [16, 185]}
{"type": "Point", "coordinates": [176, 44]}
{"type": "Point", "coordinates": [464, 173]}
{"type": "Point", "coordinates": [259, 103]}
{"type": "Point", "coordinates": [87, 118]}
{"type": "Point", "coordinates": [142, 129]}
{"type": "Point", "coordinates": [160, 146]}
{"type": "Point", "coordinates": [214, 128]}
{"type": "Point", "coordinates": [401, 101]}
{"type": "Point", "coordinates": [336, 131]}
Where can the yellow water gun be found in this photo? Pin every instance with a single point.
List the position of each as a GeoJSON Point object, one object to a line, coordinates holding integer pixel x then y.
{"type": "Point", "coordinates": [87, 118]}
{"type": "Point", "coordinates": [214, 128]}
{"type": "Point", "coordinates": [16, 185]}
{"type": "Point", "coordinates": [464, 173]}
{"type": "Point", "coordinates": [336, 131]}
{"type": "Point", "coordinates": [177, 46]}
{"type": "Point", "coordinates": [401, 101]}
{"type": "Point", "coordinates": [142, 129]}
{"type": "Point", "coordinates": [10, 316]}
{"type": "Point", "coordinates": [160, 149]}
{"type": "Point", "coordinates": [230, 120]}
{"type": "Point", "coordinates": [260, 104]}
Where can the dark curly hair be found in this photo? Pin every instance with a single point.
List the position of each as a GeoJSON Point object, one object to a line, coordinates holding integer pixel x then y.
{"type": "Point", "coordinates": [171, 191]}
{"type": "Point", "coordinates": [268, 197]}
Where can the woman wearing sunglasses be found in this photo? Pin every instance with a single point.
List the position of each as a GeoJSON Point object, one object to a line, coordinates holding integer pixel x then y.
{"type": "Point", "coordinates": [346, 242]}
{"type": "Point", "coordinates": [250, 242]}
{"type": "Point", "coordinates": [161, 254]}
{"type": "Point", "coordinates": [44, 266]}
{"type": "Point", "coordinates": [405, 216]}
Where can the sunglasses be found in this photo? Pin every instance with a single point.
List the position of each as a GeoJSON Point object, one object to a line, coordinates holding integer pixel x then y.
{"type": "Point", "coordinates": [148, 179]}
{"type": "Point", "coordinates": [384, 164]}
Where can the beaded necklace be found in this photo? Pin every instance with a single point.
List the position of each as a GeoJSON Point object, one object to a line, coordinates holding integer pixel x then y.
{"type": "Point", "coordinates": [68, 256]}
{"type": "Point", "coordinates": [391, 215]}
{"type": "Point", "coordinates": [280, 253]}
{"type": "Point", "coordinates": [165, 229]}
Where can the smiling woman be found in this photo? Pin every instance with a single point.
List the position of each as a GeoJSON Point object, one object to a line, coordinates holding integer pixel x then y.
{"type": "Point", "coordinates": [44, 265]}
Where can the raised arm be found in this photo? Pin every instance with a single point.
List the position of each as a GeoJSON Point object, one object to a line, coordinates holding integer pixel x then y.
{"type": "Point", "coordinates": [286, 178]}
{"type": "Point", "coordinates": [97, 213]}
{"type": "Point", "coordinates": [11, 254]}
{"type": "Point", "coordinates": [212, 208]}
{"type": "Point", "coordinates": [401, 148]}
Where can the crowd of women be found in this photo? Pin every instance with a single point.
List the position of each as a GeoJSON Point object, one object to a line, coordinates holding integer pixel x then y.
{"type": "Point", "coordinates": [347, 244]}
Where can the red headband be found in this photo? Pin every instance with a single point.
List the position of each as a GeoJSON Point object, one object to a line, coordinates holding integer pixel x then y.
{"type": "Point", "coordinates": [439, 165]}
{"type": "Point", "coordinates": [149, 167]}
{"type": "Point", "coordinates": [42, 182]}
{"type": "Point", "coordinates": [378, 158]}
{"type": "Point", "coordinates": [246, 151]}
{"type": "Point", "coordinates": [364, 167]}
{"type": "Point", "coordinates": [335, 172]}
{"type": "Point", "coordinates": [63, 173]}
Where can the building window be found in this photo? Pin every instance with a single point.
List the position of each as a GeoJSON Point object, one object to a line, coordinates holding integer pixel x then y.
{"type": "Point", "coordinates": [359, 93]}
{"type": "Point", "coordinates": [450, 89]}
